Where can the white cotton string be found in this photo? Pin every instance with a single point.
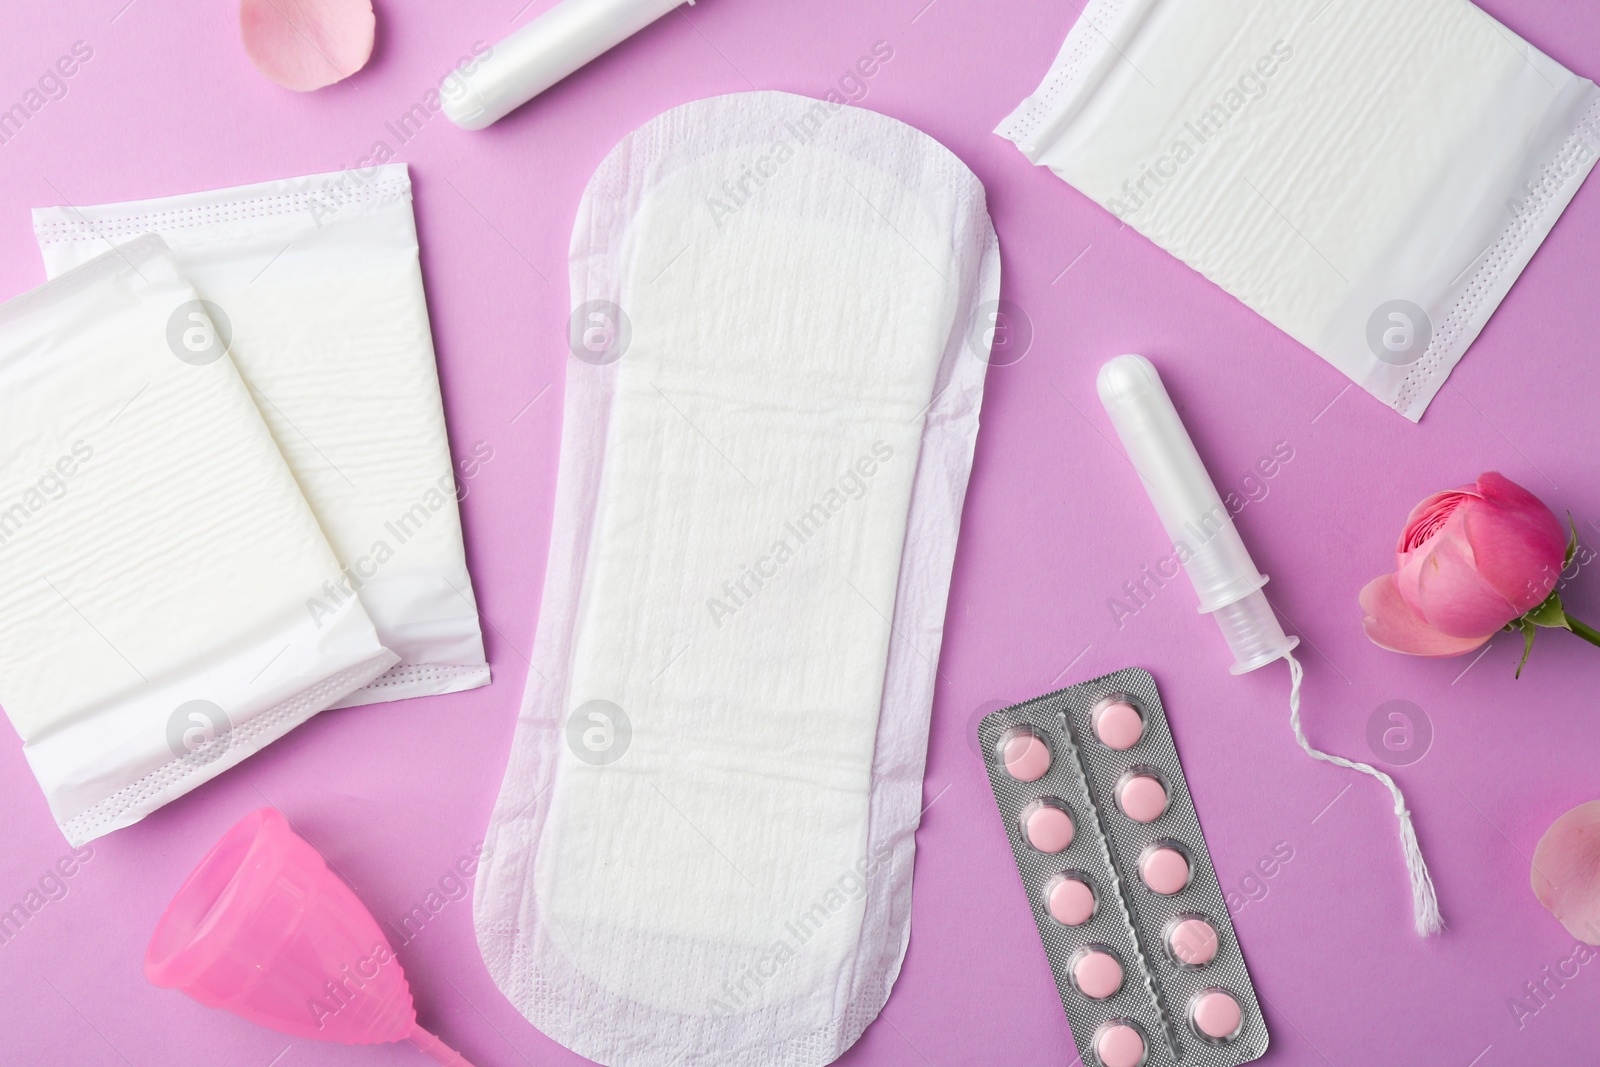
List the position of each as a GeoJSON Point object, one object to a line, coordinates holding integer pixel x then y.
{"type": "Point", "coordinates": [1424, 901]}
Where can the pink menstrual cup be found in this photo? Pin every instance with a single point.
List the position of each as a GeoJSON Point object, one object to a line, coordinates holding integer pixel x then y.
{"type": "Point", "coordinates": [264, 929]}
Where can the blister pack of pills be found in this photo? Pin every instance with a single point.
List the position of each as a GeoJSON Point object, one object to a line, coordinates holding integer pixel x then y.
{"type": "Point", "coordinates": [1116, 870]}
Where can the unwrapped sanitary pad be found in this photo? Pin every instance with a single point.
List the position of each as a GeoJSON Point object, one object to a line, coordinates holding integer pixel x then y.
{"type": "Point", "coordinates": [1371, 177]}
{"type": "Point", "coordinates": [314, 285]}
{"type": "Point", "coordinates": [155, 552]}
{"type": "Point", "coordinates": [702, 848]}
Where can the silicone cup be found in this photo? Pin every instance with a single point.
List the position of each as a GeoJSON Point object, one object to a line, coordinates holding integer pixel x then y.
{"type": "Point", "coordinates": [263, 928]}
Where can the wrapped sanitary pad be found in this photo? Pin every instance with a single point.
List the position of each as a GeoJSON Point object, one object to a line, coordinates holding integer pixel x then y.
{"type": "Point", "coordinates": [155, 553]}
{"type": "Point", "coordinates": [315, 286]}
{"type": "Point", "coordinates": [1370, 176]}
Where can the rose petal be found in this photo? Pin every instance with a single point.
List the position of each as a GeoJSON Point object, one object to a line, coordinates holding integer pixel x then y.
{"type": "Point", "coordinates": [306, 44]}
{"type": "Point", "coordinates": [1428, 518]}
{"type": "Point", "coordinates": [1518, 543]}
{"type": "Point", "coordinates": [1390, 623]}
{"type": "Point", "coordinates": [1408, 563]}
{"type": "Point", "coordinates": [1566, 871]}
{"type": "Point", "coordinates": [1441, 583]}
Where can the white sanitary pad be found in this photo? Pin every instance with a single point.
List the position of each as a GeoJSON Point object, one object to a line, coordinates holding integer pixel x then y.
{"type": "Point", "coordinates": [316, 282]}
{"type": "Point", "coordinates": [702, 849]}
{"type": "Point", "coordinates": [1370, 176]}
{"type": "Point", "coordinates": [155, 552]}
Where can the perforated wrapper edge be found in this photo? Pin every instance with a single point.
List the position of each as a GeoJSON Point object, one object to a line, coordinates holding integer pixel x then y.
{"type": "Point", "coordinates": [1129, 918]}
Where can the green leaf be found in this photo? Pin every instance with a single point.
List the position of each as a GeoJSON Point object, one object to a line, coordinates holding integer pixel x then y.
{"type": "Point", "coordinates": [1528, 631]}
{"type": "Point", "coordinates": [1550, 614]}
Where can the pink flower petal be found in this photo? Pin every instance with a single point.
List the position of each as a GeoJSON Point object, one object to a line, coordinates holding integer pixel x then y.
{"type": "Point", "coordinates": [1518, 543]}
{"type": "Point", "coordinates": [1441, 583]}
{"type": "Point", "coordinates": [1390, 623]}
{"type": "Point", "coordinates": [1422, 535]}
{"type": "Point", "coordinates": [1429, 517]}
{"type": "Point", "coordinates": [306, 44]}
{"type": "Point", "coordinates": [1566, 871]}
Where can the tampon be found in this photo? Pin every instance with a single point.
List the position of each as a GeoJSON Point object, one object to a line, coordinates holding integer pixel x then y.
{"type": "Point", "coordinates": [538, 55]}
{"type": "Point", "coordinates": [1201, 530]}
{"type": "Point", "coordinates": [1220, 568]}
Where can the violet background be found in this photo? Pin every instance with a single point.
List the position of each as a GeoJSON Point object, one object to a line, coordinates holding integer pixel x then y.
{"type": "Point", "coordinates": [1054, 524]}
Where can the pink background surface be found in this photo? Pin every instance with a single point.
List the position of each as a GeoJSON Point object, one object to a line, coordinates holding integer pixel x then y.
{"type": "Point", "coordinates": [1054, 524]}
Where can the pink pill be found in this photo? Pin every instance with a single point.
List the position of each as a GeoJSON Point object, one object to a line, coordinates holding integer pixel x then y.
{"type": "Point", "coordinates": [1097, 974]}
{"type": "Point", "coordinates": [1119, 725]}
{"type": "Point", "coordinates": [1071, 903]}
{"type": "Point", "coordinates": [1215, 1014]}
{"type": "Point", "coordinates": [1164, 870]}
{"type": "Point", "coordinates": [1026, 757]}
{"type": "Point", "coordinates": [1119, 1045]}
{"type": "Point", "coordinates": [1142, 798]}
{"type": "Point", "coordinates": [1049, 829]}
{"type": "Point", "coordinates": [1193, 941]}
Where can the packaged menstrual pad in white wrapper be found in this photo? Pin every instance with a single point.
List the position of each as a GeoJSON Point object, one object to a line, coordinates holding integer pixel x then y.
{"type": "Point", "coordinates": [702, 849]}
{"type": "Point", "coordinates": [317, 290]}
{"type": "Point", "coordinates": [1370, 176]}
{"type": "Point", "coordinates": [155, 552]}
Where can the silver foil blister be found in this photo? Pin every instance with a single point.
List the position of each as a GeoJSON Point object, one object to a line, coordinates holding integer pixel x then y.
{"type": "Point", "coordinates": [1158, 991]}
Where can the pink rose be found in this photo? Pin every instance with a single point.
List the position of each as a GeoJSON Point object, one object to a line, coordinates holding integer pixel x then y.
{"type": "Point", "coordinates": [1471, 562]}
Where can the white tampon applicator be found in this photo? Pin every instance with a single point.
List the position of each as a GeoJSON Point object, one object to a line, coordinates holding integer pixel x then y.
{"type": "Point", "coordinates": [1220, 569]}
{"type": "Point", "coordinates": [536, 56]}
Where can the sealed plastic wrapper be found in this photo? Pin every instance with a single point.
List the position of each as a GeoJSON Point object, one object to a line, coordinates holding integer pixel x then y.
{"type": "Point", "coordinates": [315, 287]}
{"type": "Point", "coordinates": [1371, 177]}
{"type": "Point", "coordinates": [155, 551]}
